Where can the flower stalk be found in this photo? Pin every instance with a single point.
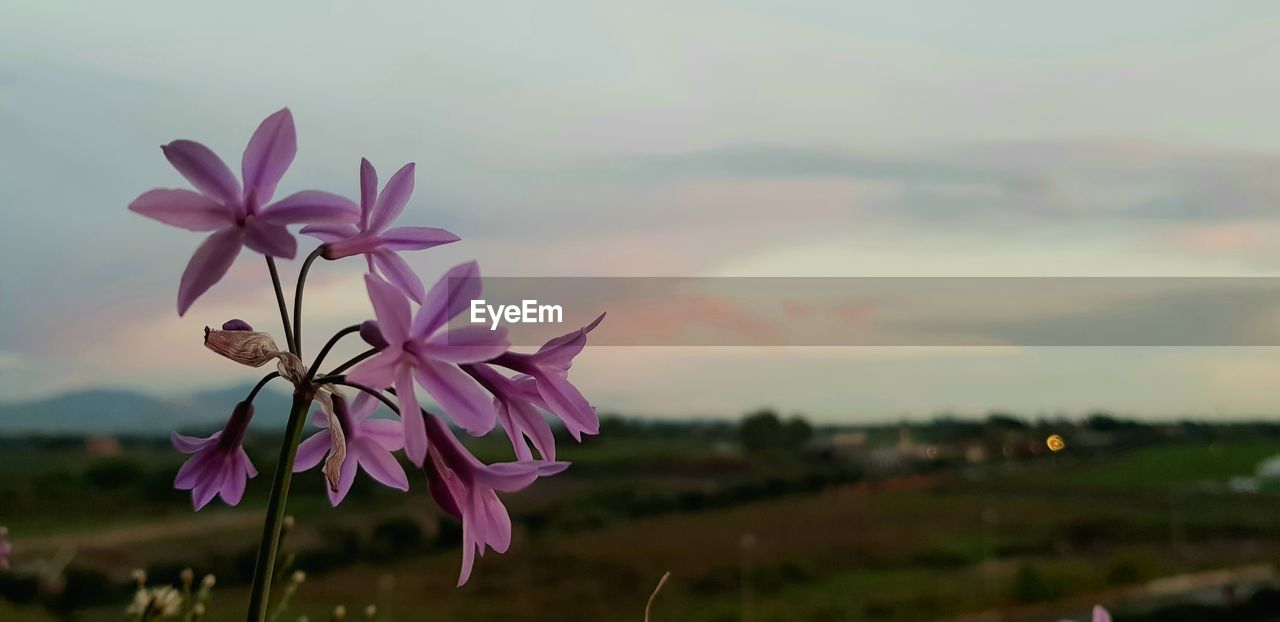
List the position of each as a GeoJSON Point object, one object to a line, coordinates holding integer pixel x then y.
{"type": "Point", "coordinates": [264, 568]}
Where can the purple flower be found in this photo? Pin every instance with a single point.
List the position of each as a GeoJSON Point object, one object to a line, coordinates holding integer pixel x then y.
{"type": "Point", "coordinates": [467, 489]}
{"type": "Point", "coordinates": [549, 370]}
{"type": "Point", "coordinates": [420, 348]}
{"type": "Point", "coordinates": [6, 549]}
{"type": "Point", "coordinates": [372, 238]}
{"type": "Point", "coordinates": [238, 216]}
{"type": "Point", "coordinates": [370, 443]}
{"type": "Point", "coordinates": [515, 401]}
{"type": "Point", "coordinates": [219, 465]}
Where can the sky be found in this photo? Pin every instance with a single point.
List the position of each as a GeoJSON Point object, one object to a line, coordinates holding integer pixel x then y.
{"type": "Point", "coordinates": [746, 138]}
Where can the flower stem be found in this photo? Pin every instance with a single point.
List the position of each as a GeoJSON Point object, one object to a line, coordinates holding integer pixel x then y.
{"type": "Point", "coordinates": [315, 366]}
{"type": "Point", "coordinates": [351, 363]}
{"type": "Point", "coordinates": [284, 309]}
{"type": "Point", "coordinates": [297, 299]}
{"type": "Point", "coordinates": [265, 567]}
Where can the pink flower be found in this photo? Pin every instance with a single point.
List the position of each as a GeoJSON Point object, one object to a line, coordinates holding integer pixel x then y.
{"type": "Point", "coordinates": [372, 237]}
{"type": "Point", "coordinates": [549, 370]}
{"type": "Point", "coordinates": [421, 348]}
{"type": "Point", "coordinates": [238, 217]}
{"type": "Point", "coordinates": [219, 465]}
{"type": "Point", "coordinates": [370, 443]}
{"type": "Point", "coordinates": [467, 489]}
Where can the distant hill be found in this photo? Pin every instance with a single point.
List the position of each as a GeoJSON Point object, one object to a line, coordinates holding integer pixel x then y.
{"type": "Point", "coordinates": [115, 411]}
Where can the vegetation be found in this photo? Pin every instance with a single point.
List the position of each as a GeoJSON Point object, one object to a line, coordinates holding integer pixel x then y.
{"type": "Point", "coordinates": [820, 525]}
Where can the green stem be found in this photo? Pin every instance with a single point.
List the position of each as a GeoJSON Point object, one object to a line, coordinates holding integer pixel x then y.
{"type": "Point", "coordinates": [297, 299]}
{"type": "Point", "coordinates": [265, 567]}
{"type": "Point", "coordinates": [284, 309]}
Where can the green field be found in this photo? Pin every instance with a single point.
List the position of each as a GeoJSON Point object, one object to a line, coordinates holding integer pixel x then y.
{"type": "Point", "coordinates": [775, 535]}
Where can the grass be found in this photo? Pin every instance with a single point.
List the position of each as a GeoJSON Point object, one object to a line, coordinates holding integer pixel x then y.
{"type": "Point", "coordinates": [1178, 464]}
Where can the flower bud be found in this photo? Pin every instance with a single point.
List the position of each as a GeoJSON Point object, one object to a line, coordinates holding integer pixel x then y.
{"type": "Point", "coordinates": [339, 613]}
{"type": "Point", "coordinates": [139, 576]}
{"type": "Point", "coordinates": [372, 335]}
{"type": "Point", "coordinates": [236, 324]}
{"type": "Point", "coordinates": [187, 575]}
{"type": "Point", "coordinates": [289, 522]}
{"type": "Point", "coordinates": [242, 346]}
{"type": "Point", "coordinates": [298, 576]}
{"type": "Point", "coordinates": [371, 612]}
{"type": "Point", "coordinates": [208, 581]}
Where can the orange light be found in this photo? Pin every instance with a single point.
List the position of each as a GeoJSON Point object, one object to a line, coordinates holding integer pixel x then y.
{"type": "Point", "coordinates": [1055, 443]}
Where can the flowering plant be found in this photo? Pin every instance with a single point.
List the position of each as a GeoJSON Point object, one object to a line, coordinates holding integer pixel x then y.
{"type": "Point", "coordinates": [459, 368]}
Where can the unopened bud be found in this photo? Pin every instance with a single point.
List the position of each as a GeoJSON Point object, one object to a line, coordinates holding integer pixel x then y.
{"type": "Point", "coordinates": [236, 325]}
{"type": "Point", "coordinates": [372, 334]}
{"type": "Point", "coordinates": [298, 576]}
{"type": "Point", "coordinates": [198, 609]}
{"type": "Point", "coordinates": [187, 575]}
{"type": "Point", "coordinates": [289, 522]}
{"type": "Point", "coordinates": [139, 576]}
{"type": "Point", "coordinates": [339, 612]}
{"type": "Point", "coordinates": [242, 346]}
{"type": "Point", "coordinates": [371, 612]}
{"type": "Point", "coordinates": [208, 581]}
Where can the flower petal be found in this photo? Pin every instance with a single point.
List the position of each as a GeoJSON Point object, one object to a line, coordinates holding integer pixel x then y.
{"type": "Point", "coordinates": [381, 465]}
{"type": "Point", "coordinates": [496, 521]}
{"type": "Point", "coordinates": [415, 238]}
{"type": "Point", "coordinates": [268, 155]}
{"type": "Point", "coordinates": [415, 432]}
{"type": "Point", "coordinates": [193, 471]}
{"type": "Point", "coordinates": [398, 272]}
{"type": "Point", "coordinates": [391, 308]}
{"type": "Point", "coordinates": [469, 344]}
{"type": "Point", "coordinates": [234, 484]}
{"type": "Point", "coordinates": [368, 190]}
{"type": "Point", "coordinates": [566, 402]}
{"type": "Point", "coordinates": [311, 452]}
{"type": "Point", "coordinates": [346, 477]}
{"type": "Point", "coordinates": [243, 456]}
{"type": "Point", "coordinates": [311, 207]}
{"type": "Point", "coordinates": [191, 444]}
{"type": "Point", "coordinates": [462, 399]}
{"type": "Point", "coordinates": [204, 169]}
{"type": "Point", "coordinates": [393, 198]}
{"type": "Point", "coordinates": [208, 265]}
{"type": "Point", "coordinates": [182, 208]}
{"type": "Point", "coordinates": [387, 433]}
{"type": "Point", "coordinates": [447, 298]}
{"type": "Point", "coordinates": [329, 233]}
{"type": "Point", "coordinates": [378, 371]}
{"type": "Point", "coordinates": [1100, 614]}
{"type": "Point", "coordinates": [513, 476]}
{"type": "Point", "coordinates": [208, 488]}
{"type": "Point", "coordinates": [270, 239]}
{"type": "Point", "coordinates": [559, 351]}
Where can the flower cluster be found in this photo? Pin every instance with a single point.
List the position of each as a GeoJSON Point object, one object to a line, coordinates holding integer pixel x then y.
{"type": "Point", "coordinates": [469, 372]}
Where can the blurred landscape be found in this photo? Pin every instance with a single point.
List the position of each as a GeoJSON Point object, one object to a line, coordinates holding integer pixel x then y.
{"type": "Point", "coordinates": [764, 517]}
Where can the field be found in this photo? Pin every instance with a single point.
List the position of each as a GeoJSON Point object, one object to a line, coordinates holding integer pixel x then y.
{"type": "Point", "coordinates": [758, 536]}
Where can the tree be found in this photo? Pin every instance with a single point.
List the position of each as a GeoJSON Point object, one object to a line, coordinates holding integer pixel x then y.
{"type": "Point", "coordinates": [763, 430]}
